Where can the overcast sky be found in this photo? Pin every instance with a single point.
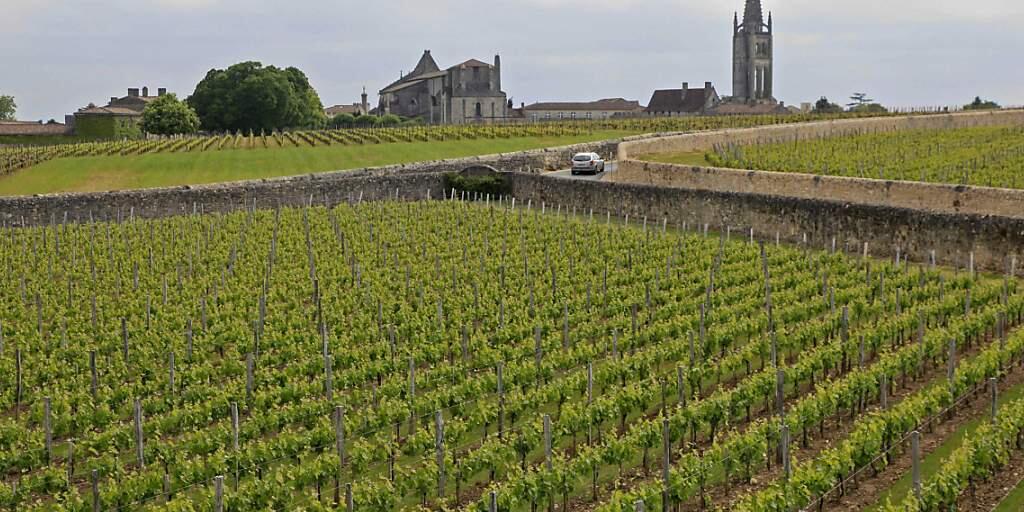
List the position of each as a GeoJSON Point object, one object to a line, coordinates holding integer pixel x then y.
{"type": "Point", "coordinates": [59, 55]}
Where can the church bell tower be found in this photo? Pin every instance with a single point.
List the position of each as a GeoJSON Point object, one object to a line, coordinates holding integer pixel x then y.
{"type": "Point", "coordinates": [753, 50]}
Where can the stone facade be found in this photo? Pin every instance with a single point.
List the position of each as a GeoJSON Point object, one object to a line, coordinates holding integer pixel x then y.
{"type": "Point", "coordinates": [752, 56]}
{"type": "Point", "coordinates": [466, 93]}
{"type": "Point", "coordinates": [355, 109]}
{"type": "Point", "coordinates": [119, 119]}
{"type": "Point", "coordinates": [571, 111]}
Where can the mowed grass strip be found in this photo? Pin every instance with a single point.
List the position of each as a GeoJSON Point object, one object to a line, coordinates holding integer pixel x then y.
{"type": "Point", "coordinates": [931, 463]}
{"type": "Point", "coordinates": [106, 173]}
{"type": "Point", "coordinates": [1013, 502]}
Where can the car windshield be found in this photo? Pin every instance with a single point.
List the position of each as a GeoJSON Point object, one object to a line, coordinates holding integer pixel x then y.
{"type": "Point", "coordinates": [583, 158]}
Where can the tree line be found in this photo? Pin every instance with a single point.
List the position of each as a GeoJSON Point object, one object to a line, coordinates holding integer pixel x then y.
{"type": "Point", "coordinates": [861, 103]}
{"type": "Point", "coordinates": [250, 97]}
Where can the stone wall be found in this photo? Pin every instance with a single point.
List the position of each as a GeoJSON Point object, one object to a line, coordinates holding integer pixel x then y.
{"type": "Point", "coordinates": [951, 199]}
{"type": "Point", "coordinates": [321, 189]}
{"type": "Point", "coordinates": [25, 128]}
{"type": "Point", "coordinates": [992, 239]}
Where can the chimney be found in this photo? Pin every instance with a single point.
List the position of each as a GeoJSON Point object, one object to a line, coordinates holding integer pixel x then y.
{"type": "Point", "coordinates": [145, 92]}
{"type": "Point", "coordinates": [707, 85]}
{"type": "Point", "coordinates": [685, 89]}
{"type": "Point", "coordinates": [113, 99]}
{"type": "Point", "coordinates": [134, 93]}
{"type": "Point", "coordinates": [161, 91]}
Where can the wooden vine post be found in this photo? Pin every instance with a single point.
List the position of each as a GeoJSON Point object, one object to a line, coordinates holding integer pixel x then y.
{"type": "Point", "coordinates": [439, 447]}
{"type": "Point", "coordinates": [915, 455]}
{"type": "Point", "coordinates": [139, 454]}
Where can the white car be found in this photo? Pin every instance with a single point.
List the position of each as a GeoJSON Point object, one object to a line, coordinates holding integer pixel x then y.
{"type": "Point", "coordinates": [591, 163]}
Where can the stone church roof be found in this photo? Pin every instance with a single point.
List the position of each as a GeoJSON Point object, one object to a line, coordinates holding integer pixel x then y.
{"type": "Point", "coordinates": [425, 65]}
{"type": "Point", "coordinates": [471, 63]}
{"type": "Point", "coordinates": [426, 69]}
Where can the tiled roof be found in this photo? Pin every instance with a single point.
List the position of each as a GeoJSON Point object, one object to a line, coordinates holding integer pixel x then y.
{"type": "Point", "coordinates": [605, 104]}
{"type": "Point", "coordinates": [115, 111]}
{"type": "Point", "coordinates": [672, 100]}
{"type": "Point", "coordinates": [342, 109]}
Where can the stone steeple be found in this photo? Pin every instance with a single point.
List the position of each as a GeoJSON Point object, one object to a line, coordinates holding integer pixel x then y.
{"type": "Point", "coordinates": [753, 55]}
{"type": "Point", "coordinates": [753, 15]}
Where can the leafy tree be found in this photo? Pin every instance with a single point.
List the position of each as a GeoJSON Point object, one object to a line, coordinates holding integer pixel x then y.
{"type": "Point", "coordinates": [342, 121]}
{"type": "Point", "coordinates": [389, 120]}
{"type": "Point", "coordinates": [167, 115]}
{"type": "Point", "coordinates": [7, 108]}
{"type": "Point", "coordinates": [869, 108]}
{"type": "Point", "coordinates": [250, 97]}
{"type": "Point", "coordinates": [823, 106]}
{"type": "Point", "coordinates": [366, 120]}
{"type": "Point", "coordinates": [980, 104]}
{"type": "Point", "coordinates": [858, 99]}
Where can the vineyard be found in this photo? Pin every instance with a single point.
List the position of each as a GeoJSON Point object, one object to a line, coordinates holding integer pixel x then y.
{"type": "Point", "coordinates": [477, 356]}
{"type": "Point", "coordinates": [979, 156]}
{"type": "Point", "coordinates": [15, 158]}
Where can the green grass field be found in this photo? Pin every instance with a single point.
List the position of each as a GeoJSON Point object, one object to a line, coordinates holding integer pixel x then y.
{"type": "Point", "coordinates": [105, 173]}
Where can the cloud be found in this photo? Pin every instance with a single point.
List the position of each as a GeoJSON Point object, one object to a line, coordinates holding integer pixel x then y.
{"type": "Point", "coordinates": [907, 52]}
{"type": "Point", "coordinates": [187, 4]}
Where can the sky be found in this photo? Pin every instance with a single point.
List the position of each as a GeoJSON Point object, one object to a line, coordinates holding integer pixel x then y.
{"type": "Point", "coordinates": [59, 55]}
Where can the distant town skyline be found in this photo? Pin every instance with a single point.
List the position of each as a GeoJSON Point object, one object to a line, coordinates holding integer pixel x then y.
{"type": "Point", "coordinates": [60, 55]}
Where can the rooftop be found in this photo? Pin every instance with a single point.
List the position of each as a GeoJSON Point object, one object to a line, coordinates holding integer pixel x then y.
{"type": "Point", "coordinates": [674, 100]}
{"type": "Point", "coordinates": [603, 104]}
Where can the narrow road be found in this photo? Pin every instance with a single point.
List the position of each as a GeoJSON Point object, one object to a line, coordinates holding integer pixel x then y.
{"type": "Point", "coordinates": [610, 167]}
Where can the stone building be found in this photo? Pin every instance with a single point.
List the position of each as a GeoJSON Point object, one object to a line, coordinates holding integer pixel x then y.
{"type": "Point", "coordinates": [33, 128]}
{"type": "Point", "coordinates": [356, 109]}
{"type": "Point", "coordinates": [752, 56]}
{"type": "Point", "coordinates": [469, 92]}
{"type": "Point", "coordinates": [119, 119]}
{"type": "Point", "coordinates": [592, 110]}
{"type": "Point", "coordinates": [685, 101]}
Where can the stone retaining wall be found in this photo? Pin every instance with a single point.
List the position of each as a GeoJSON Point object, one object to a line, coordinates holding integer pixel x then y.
{"type": "Point", "coordinates": [939, 198]}
{"type": "Point", "coordinates": [992, 239]}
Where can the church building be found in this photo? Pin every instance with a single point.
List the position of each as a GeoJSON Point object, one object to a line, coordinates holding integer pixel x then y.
{"type": "Point", "coordinates": [752, 56]}
{"type": "Point", "coordinates": [465, 93]}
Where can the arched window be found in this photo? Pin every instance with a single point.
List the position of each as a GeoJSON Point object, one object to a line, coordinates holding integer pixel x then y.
{"type": "Point", "coordinates": [479, 110]}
